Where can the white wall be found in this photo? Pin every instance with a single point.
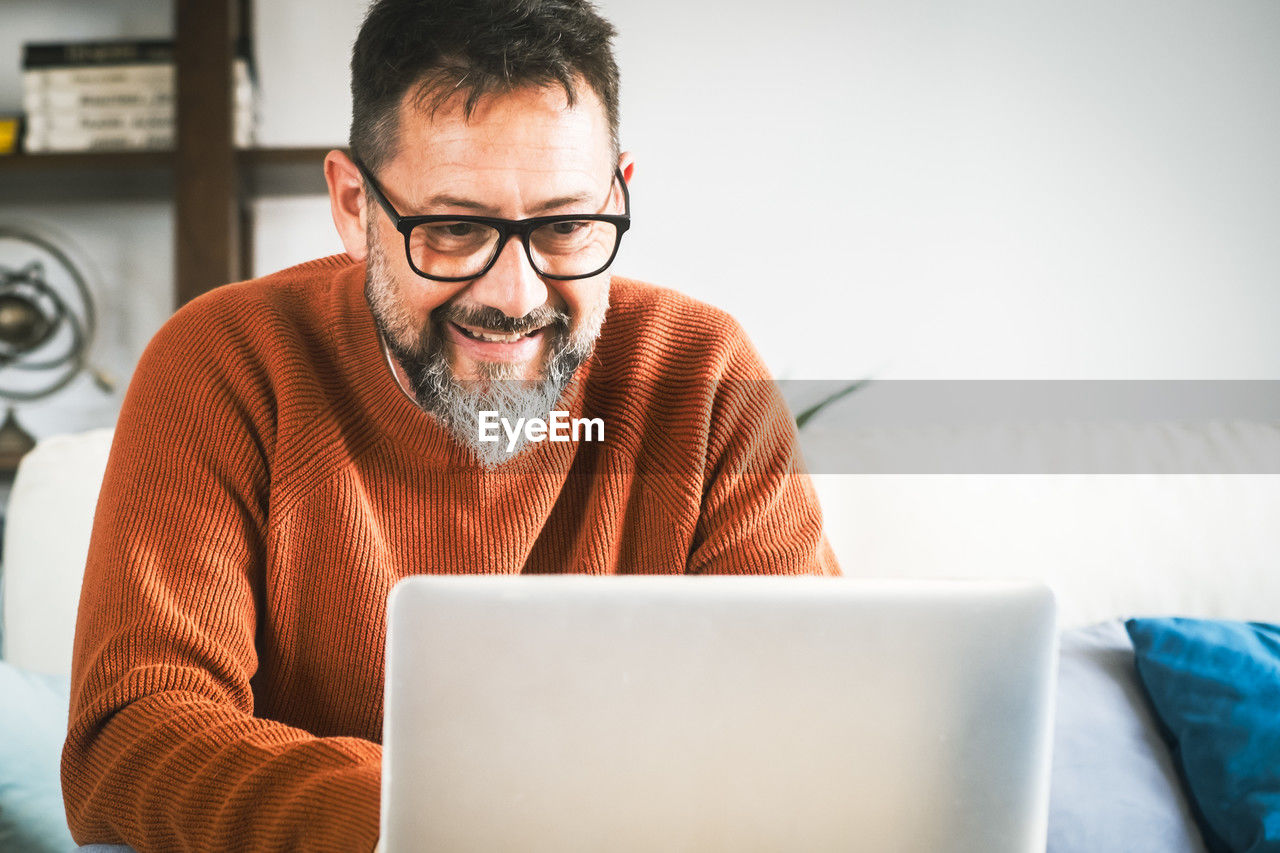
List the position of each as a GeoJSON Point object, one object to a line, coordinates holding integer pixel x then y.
{"type": "Point", "coordinates": [906, 188]}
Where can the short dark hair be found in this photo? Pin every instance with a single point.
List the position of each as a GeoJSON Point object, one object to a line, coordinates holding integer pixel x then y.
{"type": "Point", "coordinates": [479, 47]}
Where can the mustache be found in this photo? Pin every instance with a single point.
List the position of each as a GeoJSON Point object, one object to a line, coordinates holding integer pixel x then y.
{"type": "Point", "coordinates": [486, 317]}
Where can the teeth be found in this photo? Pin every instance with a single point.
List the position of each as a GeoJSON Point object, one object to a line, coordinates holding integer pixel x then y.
{"type": "Point", "coordinates": [492, 337]}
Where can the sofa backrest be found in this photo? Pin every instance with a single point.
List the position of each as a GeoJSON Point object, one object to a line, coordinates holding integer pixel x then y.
{"type": "Point", "coordinates": [47, 526]}
{"type": "Point", "coordinates": [1110, 546]}
{"type": "Point", "coordinates": [1120, 517]}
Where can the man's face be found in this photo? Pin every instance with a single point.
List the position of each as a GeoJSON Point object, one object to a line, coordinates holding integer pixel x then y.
{"type": "Point", "coordinates": [522, 154]}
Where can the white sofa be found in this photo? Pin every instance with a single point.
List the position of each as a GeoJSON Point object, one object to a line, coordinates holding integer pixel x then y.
{"type": "Point", "coordinates": [1110, 546]}
{"type": "Point", "coordinates": [1194, 544]}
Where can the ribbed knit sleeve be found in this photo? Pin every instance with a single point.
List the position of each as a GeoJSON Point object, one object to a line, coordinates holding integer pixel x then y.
{"type": "Point", "coordinates": [164, 751]}
{"type": "Point", "coordinates": [759, 513]}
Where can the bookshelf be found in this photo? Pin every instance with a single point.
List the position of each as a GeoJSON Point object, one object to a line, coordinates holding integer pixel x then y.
{"type": "Point", "coordinates": [211, 182]}
{"type": "Point", "coordinates": [276, 171]}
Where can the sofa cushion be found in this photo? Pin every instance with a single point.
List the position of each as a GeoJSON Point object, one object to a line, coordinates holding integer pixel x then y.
{"type": "Point", "coordinates": [47, 527]}
{"type": "Point", "coordinates": [1216, 687]}
{"type": "Point", "coordinates": [33, 725]}
{"type": "Point", "coordinates": [1114, 785]}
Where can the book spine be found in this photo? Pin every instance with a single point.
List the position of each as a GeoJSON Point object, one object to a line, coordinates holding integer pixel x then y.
{"type": "Point", "coordinates": [70, 141]}
{"type": "Point", "coordinates": [244, 131]}
{"type": "Point", "coordinates": [101, 120]}
{"type": "Point", "coordinates": [9, 130]}
{"type": "Point", "coordinates": [64, 104]}
{"type": "Point", "coordinates": [85, 98]}
{"type": "Point", "coordinates": [97, 53]}
{"type": "Point", "coordinates": [148, 77]}
{"type": "Point", "coordinates": [120, 78]}
{"type": "Point", "coordinates": [126, 133]}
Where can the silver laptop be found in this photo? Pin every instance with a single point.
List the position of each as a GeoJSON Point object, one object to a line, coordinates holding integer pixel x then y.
{"type": "Point", "coordinates": [575, 713]}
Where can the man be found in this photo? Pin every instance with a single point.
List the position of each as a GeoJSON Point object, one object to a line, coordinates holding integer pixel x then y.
{"type": "Point", "coordinates": [291, 447]}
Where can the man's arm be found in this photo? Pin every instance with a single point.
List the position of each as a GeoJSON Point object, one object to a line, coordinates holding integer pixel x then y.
{"type": "Point", "coordinates": [163, 750]}
{"type": "Point", "coordinates": [760, 514]}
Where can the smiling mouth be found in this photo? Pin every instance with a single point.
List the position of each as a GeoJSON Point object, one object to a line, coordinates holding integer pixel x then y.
{"type": "Point", "coordinates": [492, 337]}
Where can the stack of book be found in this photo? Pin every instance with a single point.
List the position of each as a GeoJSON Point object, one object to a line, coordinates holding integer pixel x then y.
{"type": "Point", "coordinates": [112, 96]}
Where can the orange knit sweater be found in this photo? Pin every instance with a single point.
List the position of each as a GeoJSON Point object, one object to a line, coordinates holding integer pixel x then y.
{"type": "Point", "coordinates": [268, 485]}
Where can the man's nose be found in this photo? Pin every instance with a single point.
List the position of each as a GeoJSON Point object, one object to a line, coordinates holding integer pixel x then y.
{"type": "Point", "coordinates": [512, 285]}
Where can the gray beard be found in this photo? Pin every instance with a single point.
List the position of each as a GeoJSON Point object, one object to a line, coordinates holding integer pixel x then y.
{"type": "Point", "coordinates": [457, 404]}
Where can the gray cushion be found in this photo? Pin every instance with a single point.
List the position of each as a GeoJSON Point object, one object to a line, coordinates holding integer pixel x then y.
{"type": "Point", "coordinates": [1114, 785]}
{"type": "Point", "coordinates": [33, 724]}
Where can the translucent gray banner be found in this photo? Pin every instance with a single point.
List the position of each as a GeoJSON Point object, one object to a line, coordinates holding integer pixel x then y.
{"type": "Point", "coordinates": [1227, 427]}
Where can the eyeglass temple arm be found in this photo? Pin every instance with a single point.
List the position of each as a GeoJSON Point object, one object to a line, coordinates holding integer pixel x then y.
{"type": "Point", "coordinates": [626, 193]}
{"type": "Point", "coordinates": [378, 195]}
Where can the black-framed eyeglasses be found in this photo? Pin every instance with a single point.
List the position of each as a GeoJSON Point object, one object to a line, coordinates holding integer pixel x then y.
{"type": "Point", "coordinates": [457, 247]}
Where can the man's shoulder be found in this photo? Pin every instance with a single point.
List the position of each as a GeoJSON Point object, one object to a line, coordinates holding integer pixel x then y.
{"type": "Point", "coordinates": [294, 292]}
{"type": "Point", "coordinates": [667, 311]}
{"type": "Point", "coordinates": [271, 314]}
{"type": "Point", "coordinates": [656, 326]}
{"type": "Point", "coordinates": [256, 334]}
{"type": "Point", "coordinates": [676, 358]}
{"type": "Point", "coordinates": [258, 359]}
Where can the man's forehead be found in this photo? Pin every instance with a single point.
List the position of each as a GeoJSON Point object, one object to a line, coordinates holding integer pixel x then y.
{"type": "Point", "coordinates": [528, 122]}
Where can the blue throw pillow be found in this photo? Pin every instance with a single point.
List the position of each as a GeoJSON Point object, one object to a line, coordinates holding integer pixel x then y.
{"type": "Point", "coordinates": [33, 725]}
{"type": "Point", "coordinates": [1216, 687]}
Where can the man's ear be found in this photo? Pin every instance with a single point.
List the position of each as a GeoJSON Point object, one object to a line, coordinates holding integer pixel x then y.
{"type": "Point", "coordinates": [627, 163]}
{"type": "Point", "coordinates": [346, 201]}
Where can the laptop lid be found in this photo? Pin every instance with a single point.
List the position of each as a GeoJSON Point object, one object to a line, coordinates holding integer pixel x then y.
{"type": "Point", "coordinates": [664, 713]}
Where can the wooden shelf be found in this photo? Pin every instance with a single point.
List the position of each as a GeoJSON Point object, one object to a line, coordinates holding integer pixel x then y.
{"type": "Point", "coordinates": [89, 177]}
{"type": "Point", "coordinates": [284, 171]}
{"type": "Point", "coordinates": [106, 175]}
{"type": "Point", "coordinates": [16, 164]}
{"type": "Point", "coordinates": [268, 157]}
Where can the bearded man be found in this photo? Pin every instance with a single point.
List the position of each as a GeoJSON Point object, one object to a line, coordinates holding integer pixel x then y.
{"type": "Point", "coordinates": [290, 447]}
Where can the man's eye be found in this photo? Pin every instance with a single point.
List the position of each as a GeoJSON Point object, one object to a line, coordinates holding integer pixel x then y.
{"type": "Point", "coordinates": [451, 238]}
{"type": "Point", "coordinates": [567, 228]}
{"type": "Point", "coordinates": [454, 234]}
